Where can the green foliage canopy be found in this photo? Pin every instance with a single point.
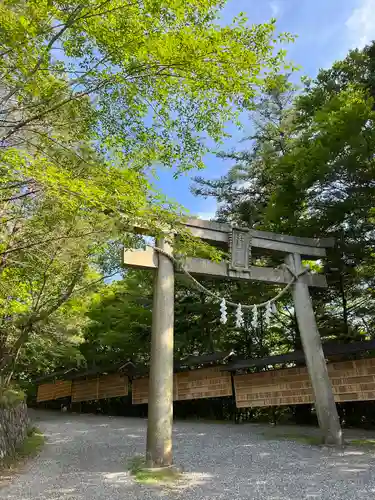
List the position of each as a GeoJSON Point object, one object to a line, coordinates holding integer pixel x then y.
{"type": "Point", "coordinates": [92, 96]}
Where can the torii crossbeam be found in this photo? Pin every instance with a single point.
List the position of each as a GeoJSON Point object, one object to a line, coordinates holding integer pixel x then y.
{"type": "Point", "coordinates": [238, 241]}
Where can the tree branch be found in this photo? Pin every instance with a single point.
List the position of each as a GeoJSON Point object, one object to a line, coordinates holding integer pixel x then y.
{"type": "Point", "coordinates": [70, 21]}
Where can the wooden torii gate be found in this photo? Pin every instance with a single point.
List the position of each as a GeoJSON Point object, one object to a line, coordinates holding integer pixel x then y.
{"type": "Point", "coordinates": [239, 242]}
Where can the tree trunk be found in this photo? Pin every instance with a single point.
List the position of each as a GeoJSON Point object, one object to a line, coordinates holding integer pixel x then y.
{"type": "Point", "coordinates": [9, 361]}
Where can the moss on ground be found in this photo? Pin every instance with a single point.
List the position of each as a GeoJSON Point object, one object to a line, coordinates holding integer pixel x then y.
{"type": "Point", "coordinates": [370, 443]}
{"type": "Point", "coordinates": [315, 440]}
{"type": "Point", "coordinates": [30, 447]}
{"type": "Point", "coordinates": [292, 436]}
{"type": "Point", "coordinates": [32, 444]}
{"type": "Point", "coordinates": [137, 468]}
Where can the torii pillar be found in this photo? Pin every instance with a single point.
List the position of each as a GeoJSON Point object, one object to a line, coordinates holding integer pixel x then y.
{"type": "Point", "coordinates": [160, 403]}
{"type": "Point", "coordinates": [325, 405]}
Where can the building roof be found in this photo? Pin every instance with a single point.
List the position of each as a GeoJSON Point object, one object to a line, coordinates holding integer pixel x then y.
{"type": "Point", "coordinates": [132, 370]}
{"type": "Point", "coordinates": [330, 349]}
{"type": "Point", "coordinates": [126, 367]}
{"type": "Point", "coordinates": [219, 358]}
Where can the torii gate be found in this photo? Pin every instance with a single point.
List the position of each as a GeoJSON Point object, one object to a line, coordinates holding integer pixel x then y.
{"type": "Point", "coordinates": [239, 242]}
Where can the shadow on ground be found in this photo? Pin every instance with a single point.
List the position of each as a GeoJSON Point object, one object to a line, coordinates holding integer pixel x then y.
{"type": "Point", "coordinates": [85, 459]}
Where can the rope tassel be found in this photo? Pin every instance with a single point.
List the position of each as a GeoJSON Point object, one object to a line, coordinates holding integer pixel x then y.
{"type": "Point", "coordinates": [254, 321]}
{"type": "Point", "coordinates": [269, 304]}
{"type": "Point", "coordinates": [239, 317]}
{"type": "Point", "coordinates": [223, 310]}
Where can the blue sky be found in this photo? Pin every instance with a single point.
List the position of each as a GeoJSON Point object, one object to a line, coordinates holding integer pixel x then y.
{"type": "Point", "coordinates": [325, 29]}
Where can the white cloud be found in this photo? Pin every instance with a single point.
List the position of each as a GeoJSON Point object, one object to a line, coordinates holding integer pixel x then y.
{"type": "Point", "coordinates": [276, 8]}
{"type": "Point", "coordinates": [361, 23]}
{"type": "Point", "coordinates": [206, 209]}
{"type": "Point", "coordinates": [206, 215]}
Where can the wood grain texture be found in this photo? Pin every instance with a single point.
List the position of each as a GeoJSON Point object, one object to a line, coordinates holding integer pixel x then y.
{"type": "Point", "coordinates": [192, 384]}
{"type": "Point", "coordinates": [351, 381]}
{"type": "Point", "coordinates": [203, 383]}
{"type": "Point", "coordinates": [102, 387]}
{"type": "Point", "coordinates": [54, 390]}
{"type": "Point", "coordinates": [140, 388]}
{"type": "Point", "coordinates": [85, 390]}
{"type": "Point", "coordinates": [113, 385]}
{"type": "Point", "coordinates": [140, 391]}
{"type": "Point", "coordinates": [46, 392]}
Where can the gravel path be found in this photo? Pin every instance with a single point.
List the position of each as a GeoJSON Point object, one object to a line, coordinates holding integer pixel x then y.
{"type": "Point", "coordinates": [85, 457]}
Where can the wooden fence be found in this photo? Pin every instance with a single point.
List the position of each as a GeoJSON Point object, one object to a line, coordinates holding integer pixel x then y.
{"type": "Point", "coordinates": [56, 390]}
{"type": "Point", "coordinates": [351, 381]}
{"type": "Point", "coordinates": [101, 387]}
{"type": "Point", "coordinates": [191, 384]}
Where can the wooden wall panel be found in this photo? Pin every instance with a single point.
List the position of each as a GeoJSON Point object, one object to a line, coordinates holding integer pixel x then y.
{"type": "Point", "coordinates": [203, 383]}
{"type": "Point", "coordinates": [46, 392]}
{"type": "Point", "coordinates": [113, 386]}
{"type": "Point", "coordinates": [56, 390]}
{"type": "Point", "coordinates": [85, 390]}
{"type": "Point", "coordinates": [351, 381]}
{"type": "Point", "coordinates": [273, 388]}
{"type": "Point", "coordinates": [63, 388]}
{"type": "Point", "coordinates": [140, 391]}
{"type": "Point", "coordinates": [105, 386]}
{"type": "Point", "coordinates": [192, 384]}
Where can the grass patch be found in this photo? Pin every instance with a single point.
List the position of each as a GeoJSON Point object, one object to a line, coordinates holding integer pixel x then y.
{"type": "Point", "coordinates": [315, 440]}
{"type": "Point", "coordinates": [290, 436]}
{"type": "Point", "coordinates": [136, 464]}
{"type": "Point", "coordinates": [137, 469]}
{"type": "Point", "coordinates": [30, 447]}
{"type": "Point", "coordinates": [370, 443]}
{"type": "Point", "coordinates": [32, 444]}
